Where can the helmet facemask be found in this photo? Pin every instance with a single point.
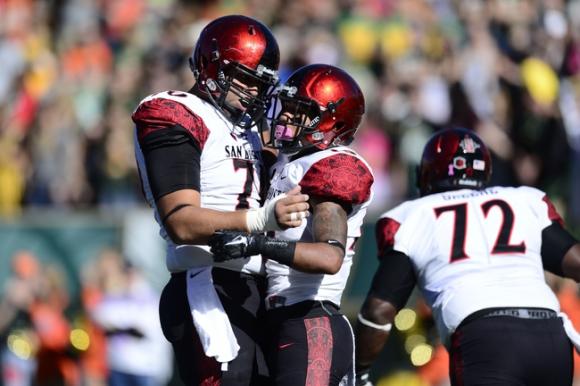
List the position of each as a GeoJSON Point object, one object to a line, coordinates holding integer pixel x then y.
{"type": "Point", "coordinates": [254, 88]}
{"type": "Point", "coordinates": [296, 120]}
{"type": "Point", "coordinates": [320, 106]}
{"type": "Point", "coordinates": [293, 118]}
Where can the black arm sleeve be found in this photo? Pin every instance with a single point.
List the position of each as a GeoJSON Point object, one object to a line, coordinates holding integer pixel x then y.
{"type": "Point", "coordinates": [556, 241]}
{"type": "Point", "coordinates": [172, 160]}
{"type": "Point", "coordinates": [395, 279]}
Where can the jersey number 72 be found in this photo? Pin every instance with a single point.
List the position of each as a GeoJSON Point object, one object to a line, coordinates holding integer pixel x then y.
{"type": "Point", "coordinates": [503, 240]}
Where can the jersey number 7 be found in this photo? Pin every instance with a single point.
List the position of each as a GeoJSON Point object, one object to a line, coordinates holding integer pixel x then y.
{"type": "Point", "coordinates": [243, 197]}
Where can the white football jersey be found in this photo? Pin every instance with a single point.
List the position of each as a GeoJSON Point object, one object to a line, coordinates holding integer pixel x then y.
{"type": "Point", "coordinates": [473, 249]}
{"type": "Point", "coordinates": [230, 168]}
{"type": "Point", "coordinates": [338, 174]}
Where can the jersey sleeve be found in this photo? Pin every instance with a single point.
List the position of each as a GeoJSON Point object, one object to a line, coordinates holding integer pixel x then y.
{"type": "Point", "coordinates": [171, 138]}
{"type": "Point", "coordinates": [342, 178]}
{"type": "Point", "coordinates": [396, 277]}
{"type": "Point", "coordinates": [543, 207]}
{"type": "Point", "coordinates": [165, 120]}
{"type": "Point", "coordinates": [553, 214]}
{"type": "Point", "coordinates": [385, 232]}
{"type": "Point", "coordinates": [393, 233]}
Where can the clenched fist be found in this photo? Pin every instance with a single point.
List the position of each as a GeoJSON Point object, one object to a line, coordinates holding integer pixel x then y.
{"type": "Point", "coordinates": [227, 245]}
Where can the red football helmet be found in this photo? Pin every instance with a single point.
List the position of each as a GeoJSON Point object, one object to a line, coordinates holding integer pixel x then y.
{"type": "Point", "coordinates": [322, 103]}
{"type": "Point", "coordinates": [453, 159]}
{"type": "Point", "coordinates": [238, 48]}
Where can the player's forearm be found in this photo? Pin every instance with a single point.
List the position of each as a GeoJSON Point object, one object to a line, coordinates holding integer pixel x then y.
{"type": "Point", "coordinates": [372, 329]}
{"type": "Point", "coordinates": [369, 343]}
{"type": "Point", "coordinates": [309, 257]}
{"type": "Point", "coordinates": [194, 225]}
{"type": "Point", "coordinates": [317, 258]}
{"type": "Point", "coordinates": [322, 256]}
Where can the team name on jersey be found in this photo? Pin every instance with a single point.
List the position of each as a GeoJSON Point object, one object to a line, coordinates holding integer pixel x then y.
{"type": "Point", "coordinates": [240, 152]}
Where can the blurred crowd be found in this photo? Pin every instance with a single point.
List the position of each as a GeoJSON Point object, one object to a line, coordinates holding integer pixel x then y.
{"type": "Point", "coordinates": [111, 337]}
{"type": "Point", "coordinates": [73, 71]}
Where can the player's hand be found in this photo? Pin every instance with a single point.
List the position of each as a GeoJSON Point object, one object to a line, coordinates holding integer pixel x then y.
{"type": "Point", "coordinates": [292, 209]}
{"type": "Point", "coordinates": [286, 210]}
{"type": "Point", "coordinates": [227, 245]}
{"type": "Point", "coordinates": [362, 379]}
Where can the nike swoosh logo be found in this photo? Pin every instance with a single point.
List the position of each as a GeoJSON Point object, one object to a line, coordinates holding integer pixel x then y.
{"type": "Point", "coordinates": [283, 177]}
{"type": "Point", "coordinates": [285, 345]}
{"type": "Point", "coordinates": [192, 275]}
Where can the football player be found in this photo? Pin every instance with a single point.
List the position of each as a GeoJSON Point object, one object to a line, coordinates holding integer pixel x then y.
{"type": "Point", "coordinates": [478, 255]}
{"type": "Point", "coordinates": [311, 341]}
{"type": "Point", "coordinates": [199, 158]}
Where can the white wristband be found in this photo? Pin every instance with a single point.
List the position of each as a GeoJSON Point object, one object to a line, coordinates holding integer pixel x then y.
{"type": "Point", "coordinates": [255, 221]}
{"type": "Point", "coordinates": [383, 327]}
{"type": "Point", "coordinates": [264, 218]}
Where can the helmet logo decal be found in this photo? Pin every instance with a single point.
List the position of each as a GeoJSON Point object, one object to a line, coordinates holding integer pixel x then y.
{"type": "Point", "coordinates": [468, 145]}
{"type": "Point", "coordinates": [478, 164]}
{"type": "Point", "coordinates": [459, 163]}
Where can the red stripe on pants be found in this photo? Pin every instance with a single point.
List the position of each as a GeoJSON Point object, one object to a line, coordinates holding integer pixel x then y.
{"type": "Point", "coordinates": [320, 343]}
